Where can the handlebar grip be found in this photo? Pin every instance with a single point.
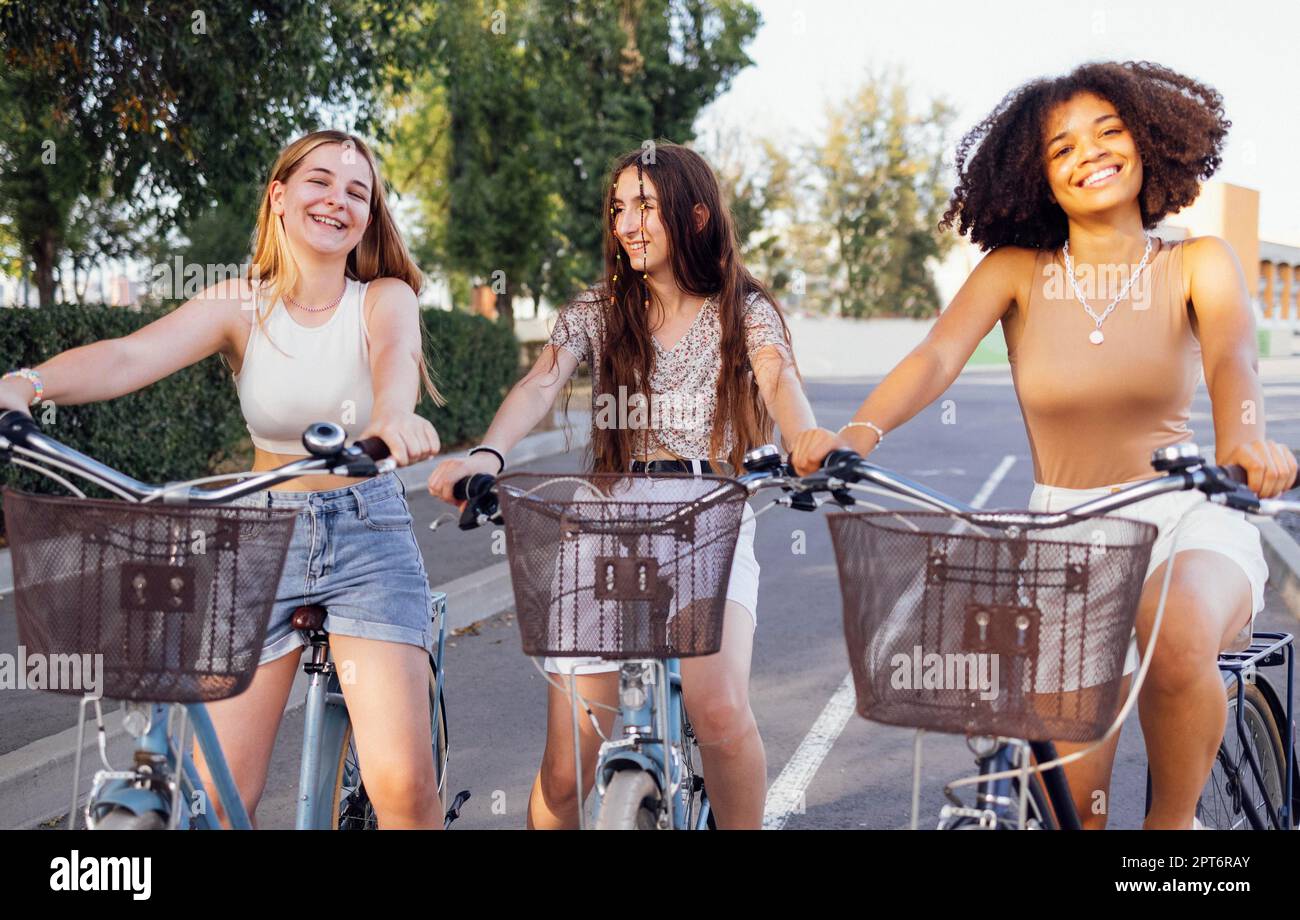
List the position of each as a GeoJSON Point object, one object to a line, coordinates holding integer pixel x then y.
{"type": "Point", "coordinates": [1238, 475]}
{"type": "Point", "coordinates": [374, 448]}
{"type": "Point", "coordinates": [839, 458]}
{"type": "Point", "coordinates": [16, 425]}
{"type": "Point", "coordinates": [471, 487]}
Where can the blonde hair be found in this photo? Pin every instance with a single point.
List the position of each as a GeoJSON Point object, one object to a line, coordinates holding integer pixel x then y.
{"type": "Point", "coordinates": [381, 253]}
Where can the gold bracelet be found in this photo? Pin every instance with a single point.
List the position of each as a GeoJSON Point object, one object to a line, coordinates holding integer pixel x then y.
{"type": "Point", "coordinates": [880, 435]}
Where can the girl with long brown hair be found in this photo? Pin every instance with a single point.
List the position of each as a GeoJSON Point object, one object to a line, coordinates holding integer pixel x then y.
{"type": "Point", "coordinates": [325, 329]}
{"type": "Point", "coordinates": [678, 318]}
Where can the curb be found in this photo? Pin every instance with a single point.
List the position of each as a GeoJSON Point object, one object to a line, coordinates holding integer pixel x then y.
{"type": "Point", "coordinates": [1282, 554]}
{"type": "Point", "coordinates": [35, 781]}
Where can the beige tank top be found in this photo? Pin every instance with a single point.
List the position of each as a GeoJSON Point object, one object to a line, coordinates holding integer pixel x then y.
{"type": "Point", "coordinates": [1094, 413]}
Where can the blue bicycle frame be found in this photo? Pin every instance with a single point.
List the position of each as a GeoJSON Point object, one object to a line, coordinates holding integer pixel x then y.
{"type": "Point", "coordinates": [153, 783]}
{"type": "Point", "coordinates": [655, 739]}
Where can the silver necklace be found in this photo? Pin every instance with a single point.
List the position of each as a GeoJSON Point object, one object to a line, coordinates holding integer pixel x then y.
{"type": "Point", "coordinates": [1095, 337]}
{"type": "Point", "coordinates": [329, 306]}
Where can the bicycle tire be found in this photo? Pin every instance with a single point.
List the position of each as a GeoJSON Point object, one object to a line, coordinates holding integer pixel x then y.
{"type": "Point", "coordinates": [1220, 805]}
{"type": "Point", "coordinates": [630, 803]}
{"type": "Point", "coordinates": [352, 804]}
{"type": "Point", "coordinates": [124, 819]}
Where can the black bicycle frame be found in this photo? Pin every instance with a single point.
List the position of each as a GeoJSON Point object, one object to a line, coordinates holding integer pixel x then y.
{"type": "Point", "coordinates": [1001, 798]}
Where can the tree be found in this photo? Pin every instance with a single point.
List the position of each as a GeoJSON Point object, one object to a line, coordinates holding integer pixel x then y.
{"type": "Point", "coordinates": [533, 101]}
{"type": "Point", "coordinates": [500, 202]}
{"type": "Point", "coordinates": [881, 169]}
{"type": "Point", "coordinates": [169, 107]}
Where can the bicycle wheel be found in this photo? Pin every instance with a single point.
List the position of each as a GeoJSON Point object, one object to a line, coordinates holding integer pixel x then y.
{"type": "Point", "coordinates": [630, 803]}
{"type": "Point", "coordinates": [1232, 784]}
{"type": "Point", "coordinates": [351, 802]}
{"type": "Point", "coordinates": [123, 819]}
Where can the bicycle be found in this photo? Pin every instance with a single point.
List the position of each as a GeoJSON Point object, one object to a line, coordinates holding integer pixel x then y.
{"type": "Point", "coordinates": [1011, 588]}
{"type": "Point", "coordinates": [601, 570]}
{"type": "Point", "coordinates": [183, 583]}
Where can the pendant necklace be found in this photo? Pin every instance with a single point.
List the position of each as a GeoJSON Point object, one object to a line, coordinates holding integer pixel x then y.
{"type": "Point", "coordinates": [1096, 337]}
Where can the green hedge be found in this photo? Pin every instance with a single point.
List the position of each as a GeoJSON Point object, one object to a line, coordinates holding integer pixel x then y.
{"type": "Point", "coordinates": [189, 424]}
{"type": "Point", "coordinates": [474, 363]}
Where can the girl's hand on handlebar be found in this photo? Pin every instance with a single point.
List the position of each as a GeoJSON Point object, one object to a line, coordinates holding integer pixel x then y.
{"type": "Point", "coordinates": [410, 437]}
{"type": "Point", "coordinates": [1270, 466]}
{"type": "Point", "coordinates": [447, 473]}
{"type": "Point", "coordinates": [15, 394]}
{"type": "Point", "coordinates": [811, 447]}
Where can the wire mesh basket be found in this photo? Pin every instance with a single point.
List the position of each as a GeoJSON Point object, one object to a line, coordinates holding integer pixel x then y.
{"type": "Point", "coordinates": [954, 624]}
{"type": "Point", "coordinates": [173, 600]}
{"type": "Point", "coordinates": [620, 566]}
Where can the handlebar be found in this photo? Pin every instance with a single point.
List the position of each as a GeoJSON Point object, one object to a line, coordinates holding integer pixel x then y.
{"type": "Point", "coordinates": [1183, 468]}
{"type": "Point", "coordinates": [844, 470]}
{"type": "Point", "coordinates": [325, 443]}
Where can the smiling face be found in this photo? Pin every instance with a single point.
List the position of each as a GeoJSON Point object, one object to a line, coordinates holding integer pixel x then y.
{"type": "Point", "coordinates": [1092, 161]}
{"type": "Point", "coordinates": [645, 243]}
{"type": "Point", "coordinates": [325, 203]}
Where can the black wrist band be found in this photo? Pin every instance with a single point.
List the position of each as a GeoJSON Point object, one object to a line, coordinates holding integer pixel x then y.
{"type": "Point", "coordinates": [483, 448]}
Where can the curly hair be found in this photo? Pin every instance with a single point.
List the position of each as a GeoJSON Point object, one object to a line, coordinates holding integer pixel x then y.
{"type": "Point", "coordinates": [1002, 196]}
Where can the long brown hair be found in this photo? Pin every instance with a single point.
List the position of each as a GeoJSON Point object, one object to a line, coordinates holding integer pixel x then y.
{"type": "Point", "coordinates": [705, 262]}
{"type": "Point", "coordinates": [381, 253]}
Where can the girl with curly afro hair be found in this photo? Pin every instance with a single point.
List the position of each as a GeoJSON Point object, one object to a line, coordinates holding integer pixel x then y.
{"type": "Point", "coordinates": [1108, 329]}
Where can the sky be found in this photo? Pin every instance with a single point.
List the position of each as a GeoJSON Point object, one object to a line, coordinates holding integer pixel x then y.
{"type": "Point", "coordinates": [809, 53]}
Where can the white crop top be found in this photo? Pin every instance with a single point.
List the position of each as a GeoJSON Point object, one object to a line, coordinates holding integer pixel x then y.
{"type": "Point", "coordinates": [293, 375]}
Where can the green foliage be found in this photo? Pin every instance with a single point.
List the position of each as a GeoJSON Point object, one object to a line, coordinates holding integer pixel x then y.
{"type": "Point", "coordinates": [168, 106]}
{"type": "Point", "coordinates": [881, 167]}
{"type": "Point", "coordinates": [474, 362]}
{"type": "Point", "coordinates": [176, 429]}
{"type": "Point", "coordinates": [531, 102]}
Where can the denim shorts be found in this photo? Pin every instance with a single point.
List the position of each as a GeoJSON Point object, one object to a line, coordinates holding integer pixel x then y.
{"type": "Point", "coordinates": [354, 553]}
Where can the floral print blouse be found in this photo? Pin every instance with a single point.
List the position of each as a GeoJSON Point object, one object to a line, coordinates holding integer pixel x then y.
{"type": "Point", "coordinates": [684, 382]}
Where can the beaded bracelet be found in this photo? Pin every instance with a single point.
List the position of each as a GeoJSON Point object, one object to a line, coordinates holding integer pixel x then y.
{"type": "Point", "coordinates": [32, 377]}
{"type": "Point", "coordinates": [880, 435]}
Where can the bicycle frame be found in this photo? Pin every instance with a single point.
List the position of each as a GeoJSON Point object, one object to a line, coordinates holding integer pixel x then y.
{"type": "Point", "coordinates": [153, 784]}
{"type": "Point", "coordinates": [654, 733]}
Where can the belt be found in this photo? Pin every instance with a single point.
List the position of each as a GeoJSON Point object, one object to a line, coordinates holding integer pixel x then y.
{"type": "Point", "coordinates": [691, 467]}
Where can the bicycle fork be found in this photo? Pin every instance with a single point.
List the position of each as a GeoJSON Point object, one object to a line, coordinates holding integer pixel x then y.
{"type": "Point", "coordinates": [651, 715]}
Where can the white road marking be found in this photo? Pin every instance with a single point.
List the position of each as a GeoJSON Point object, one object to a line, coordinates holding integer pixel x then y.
{"type": "Point", "coordinates": [995, 478]}
{"type": "Point", "coordinates": [785, 796]}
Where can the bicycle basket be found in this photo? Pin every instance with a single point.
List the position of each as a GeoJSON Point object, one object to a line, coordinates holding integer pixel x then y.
{"type": "Point", "coordinates": [956, 625]}
{"type": "Point", "coordinates": [173, 601]}
{"type": "Point", "coordinates": [620, 566]}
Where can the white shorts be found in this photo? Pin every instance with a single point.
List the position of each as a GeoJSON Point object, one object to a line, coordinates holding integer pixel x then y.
{"type": "Point", "coordinates": [1205, 526]}
{"type": "Point", "coordinates": [742, 587]}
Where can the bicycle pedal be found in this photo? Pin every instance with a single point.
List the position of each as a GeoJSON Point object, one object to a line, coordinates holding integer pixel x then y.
{"type": "Point", "coordinates": [454, 811]}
